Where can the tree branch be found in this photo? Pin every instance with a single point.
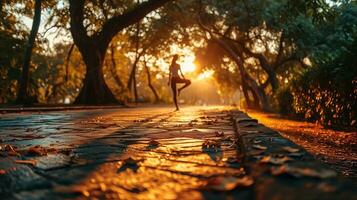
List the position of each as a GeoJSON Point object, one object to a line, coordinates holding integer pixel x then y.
{"type": "Point", "coordinates": [117, 23]}
{"type": "Point", "coordinates": [67, 61]}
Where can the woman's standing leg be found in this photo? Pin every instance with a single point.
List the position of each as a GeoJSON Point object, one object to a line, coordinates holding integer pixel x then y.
{"type": "Point", "coordinates": [174, 93]}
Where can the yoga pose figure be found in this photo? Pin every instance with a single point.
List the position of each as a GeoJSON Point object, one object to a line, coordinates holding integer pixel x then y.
{"type": "Point", "coordinates": [175, 78]}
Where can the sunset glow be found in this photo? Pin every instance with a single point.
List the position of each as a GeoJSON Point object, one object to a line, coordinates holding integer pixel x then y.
{"type": "Point", "coordinates": [205, 75]}
{"type": "Point", "coordinates": [187, 64]}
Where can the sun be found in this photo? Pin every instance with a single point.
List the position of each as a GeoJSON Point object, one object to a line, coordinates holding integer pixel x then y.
{"type": "Point", "coordinates": [187, 64]}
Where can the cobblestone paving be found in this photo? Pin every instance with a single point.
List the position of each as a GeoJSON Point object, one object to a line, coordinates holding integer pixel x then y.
{"type": "Point", "coordinates": [142, 153]}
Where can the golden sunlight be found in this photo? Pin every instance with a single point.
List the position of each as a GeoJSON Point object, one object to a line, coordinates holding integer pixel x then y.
{"type": "Point", "coordinates": [187, 63]}
{"type": "Point", "coordinates": [187, 58]}
{"type": "Point", "coordinates": [205, 75]}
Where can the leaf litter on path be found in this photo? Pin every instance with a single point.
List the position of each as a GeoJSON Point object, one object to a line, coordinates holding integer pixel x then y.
{"type": "Point", "coordinates": [290, 149]}
{"type": "Point", "coordinates": [154, 143]}
{"type": "Point", "coordinates": [37, 151]}
{"type": "Point", "coordinates": [40, 151]}
{"type": "Point", "coordinates": [275, 160]}
{"type": "Point", "coordinates": [129, 163]}
{"type": "Point", "coordinates": [28, 162]}
{"type": "Point", "coordinates": [9, 150]}
{"type": "Point", "coordinates": [211, 145]}
{"type": "Point", "coordinates": [229, 183]}
{"type": "Point", "coordinates": [219, 133]}
{"type": "Point", "coordinates": [299, 172]}
{"type": "Point", "coordinates": [260, 147]}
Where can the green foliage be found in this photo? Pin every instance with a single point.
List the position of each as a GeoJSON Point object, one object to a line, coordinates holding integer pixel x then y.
{"type": "Point", "coordinates": [12, 44]}
{"type": "Point", "coordinates": [327, 92]}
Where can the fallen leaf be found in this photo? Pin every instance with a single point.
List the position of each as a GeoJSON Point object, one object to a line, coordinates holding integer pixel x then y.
{"type": "Point", "coordinates": [37, 150]}
{"type": "Point", "coordinates": [211, 144]}
{"type": "Point", "coordinates": [29, 162]}
{"type": "Point", "coordinates": [290, 149]}
{"type": "Point", "coordinates": [301, 172]}
{"type": "Point", "coordinates": [251, 132]}
{"type": "Point", "coordinates": [154, 143]}
{"type": "Point", "coordinates": [275, 161]}
{"type": "Point", "coordinates": [247, 120]}
{"type": "Point", "coordinates": [219, 133]}
{"type": "Point", "coordinates": [257, 141]}
{"type": "Point", "coordinates": [223, 184]}
{"type": "Point", "coordinates": [137, 189]}
{"type": "Point", "coordinates": [261, 147]}
{"type": "Point", "coordinates": [232, 160]}
{"type": "Point", "coordinates": [129, 163]}
{"type": "Point", "coordinates": [296, 154]}
{"type": "Point", "coordinates": [10, 150]}
{"type": "Point", "coordinates": [66, 151]}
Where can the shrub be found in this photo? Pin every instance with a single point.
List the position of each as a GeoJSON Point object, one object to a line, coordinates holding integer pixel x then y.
{"type": "Point", "coordinates": [328, 92]}
{"type": "Point", "coordinates": [285, 101]}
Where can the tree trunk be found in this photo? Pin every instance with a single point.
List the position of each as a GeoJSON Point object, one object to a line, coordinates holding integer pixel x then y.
{"type": "Point", "coordinates": [94, 47]}
{"type": "Point", "coordinates": [135, 87]}
{"type": "Point", "coordinates": [258, 92]}
{"type": "Point", "coordinates": [95, 89]}
{"type": "Point", "coordinates": [256, 101]}
{"type": "Point", "coordinates": [114, 67]}
{"type": "Point", "coordinates": [264, 104]}
{"type": "Point", "coordinates": [267, 67]}
{"type": "Point", "coordinates": [132, 79]}
{"type": "Point", "coordinates": [67, 61]}
{"type": "Point", "coordinates": [246, 90]}
{"type": "Point", "coordinates": [22, 96]}
{"type": "Point", "coordinates": [157, 99]}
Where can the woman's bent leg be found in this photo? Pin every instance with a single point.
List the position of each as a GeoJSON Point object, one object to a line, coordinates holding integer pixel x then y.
{"type": "Point", "coordinates": [187, 83]}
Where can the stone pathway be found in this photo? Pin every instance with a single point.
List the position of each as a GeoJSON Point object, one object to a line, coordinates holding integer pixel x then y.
{"type": "Point", "coordinates": [148, 153]}
{"type": "Point", "coordinates": [151, 153]}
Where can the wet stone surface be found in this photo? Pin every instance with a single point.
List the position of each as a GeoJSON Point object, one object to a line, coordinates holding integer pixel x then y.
{"type": "Point", "coordinates": [154, 153]}
{"type": "Point", "coordinates": [142, 153]}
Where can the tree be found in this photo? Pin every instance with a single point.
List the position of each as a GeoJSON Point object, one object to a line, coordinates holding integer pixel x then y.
{"type": "Point", "coordinates": [327, 91]}
{"type": "Point", "coordinates": [264, 36]}
{"type": "Point", "coordinates": [93, 47]}
{"type": "Point", "coordinates": [24, 81]}
{"type": "Point", "coordinates": [152, 88]}
{"type": "Point", "coordinates": [132, 82]}
{"type": "Point", "coordinates": [12, 42]}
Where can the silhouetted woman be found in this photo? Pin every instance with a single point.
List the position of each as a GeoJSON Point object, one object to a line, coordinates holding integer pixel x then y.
{"type": "Point", "coordinates": [175, 78]}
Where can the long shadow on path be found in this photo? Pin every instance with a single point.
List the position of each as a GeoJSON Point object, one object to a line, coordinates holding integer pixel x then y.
{"type": "Point", "coordinates": [61, 181]}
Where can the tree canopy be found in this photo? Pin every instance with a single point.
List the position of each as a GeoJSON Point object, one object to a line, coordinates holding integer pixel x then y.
{"type": "Point", "coordinates": [293, 56]}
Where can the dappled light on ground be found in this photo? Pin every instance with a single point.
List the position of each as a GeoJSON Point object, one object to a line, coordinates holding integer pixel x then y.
{"type": "Point", "coordinates": [140, 153]}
